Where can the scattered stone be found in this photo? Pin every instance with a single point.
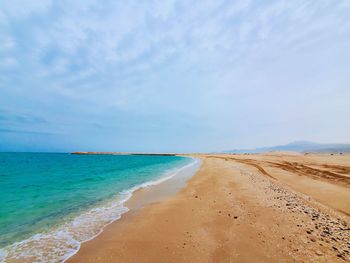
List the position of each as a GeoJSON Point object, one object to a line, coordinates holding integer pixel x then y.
{"type": "Point", "coordinates": [319, 226]}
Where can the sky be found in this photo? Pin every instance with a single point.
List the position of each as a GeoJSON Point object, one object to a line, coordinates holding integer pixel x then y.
{"type": "Point", "coordinates": [172, 76]}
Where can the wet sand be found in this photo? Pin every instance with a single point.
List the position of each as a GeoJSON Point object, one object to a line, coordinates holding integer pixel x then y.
{"type": "Point", "coordinates": [238, 208]}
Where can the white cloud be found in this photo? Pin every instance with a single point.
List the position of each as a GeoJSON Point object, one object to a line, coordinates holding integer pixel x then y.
{"type": "Point", "coordinates": [8, 63]}
{"type": "Point", "coordinates": [237, 7]}
{"type": "Point", "coordinates": [194, 57]}
{"type": "Point", "coordinates": [21, 9]}
{"type": "Point", "coordinates": [6, 43]}
{"type": "Point", "coordinates": [163, 8]}
{"type": "Point", "coordinates": [3, 20]}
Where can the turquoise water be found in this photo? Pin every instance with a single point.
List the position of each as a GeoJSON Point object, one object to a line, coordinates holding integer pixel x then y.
{"type": "Point", "coordinates": [68, 197]}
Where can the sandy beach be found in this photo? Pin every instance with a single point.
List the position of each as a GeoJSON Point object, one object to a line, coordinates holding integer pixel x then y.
{"type": "Point", "coordinates": [276, 207]}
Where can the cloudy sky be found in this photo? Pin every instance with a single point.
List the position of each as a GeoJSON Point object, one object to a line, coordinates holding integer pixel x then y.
{"type": "Point", "coordinates": [177, 75]}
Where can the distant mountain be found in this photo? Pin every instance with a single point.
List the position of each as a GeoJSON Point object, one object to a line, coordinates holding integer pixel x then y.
{"type": "Point", "coordinates": [300, 146]}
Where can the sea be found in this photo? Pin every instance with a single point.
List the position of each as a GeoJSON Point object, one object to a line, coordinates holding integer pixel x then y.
{"type": "Point", "coordinates": [50, 203]}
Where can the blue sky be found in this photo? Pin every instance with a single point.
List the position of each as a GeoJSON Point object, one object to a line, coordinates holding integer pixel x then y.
{"type": "Point", "coordinates": [177, 75]}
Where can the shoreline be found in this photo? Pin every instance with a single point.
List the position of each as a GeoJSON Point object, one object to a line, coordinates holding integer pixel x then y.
{"type": "Point", "coordinates": [149, 193]}
{"type": "Point", "coordinates": [230, 210]}
{"type": "Point", "coordinates": [164, 188]}
{"type": "Point", "coordinates": [123, 203]}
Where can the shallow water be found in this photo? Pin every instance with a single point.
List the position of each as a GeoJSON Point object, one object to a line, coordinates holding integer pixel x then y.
{"type": "Point", "coordinates": [50, 202]}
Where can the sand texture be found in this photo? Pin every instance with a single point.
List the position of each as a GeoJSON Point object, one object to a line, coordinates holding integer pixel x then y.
{"type": "Point", "coordinates": [276, 207]}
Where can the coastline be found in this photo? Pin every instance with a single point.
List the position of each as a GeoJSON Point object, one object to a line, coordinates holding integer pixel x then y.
{"type": "Point", "coordinates": [150, 192]}
{"type": "Point", "coordinates": [162, 189]}
{"type": "Point", "coordinates": [230, 210]}
{"type": "Point", "coordinates": [48, 246]}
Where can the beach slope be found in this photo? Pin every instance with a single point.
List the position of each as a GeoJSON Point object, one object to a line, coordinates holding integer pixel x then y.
{"type": "Point", "coordinates": [240, 208]}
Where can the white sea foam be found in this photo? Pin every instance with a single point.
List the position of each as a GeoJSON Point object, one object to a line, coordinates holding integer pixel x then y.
{"type": "Point", "coordinates": [61, 243]}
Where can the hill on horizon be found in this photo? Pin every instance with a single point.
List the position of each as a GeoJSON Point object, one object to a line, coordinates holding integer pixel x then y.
{"type": "Point", "coordinates": [300, 146]}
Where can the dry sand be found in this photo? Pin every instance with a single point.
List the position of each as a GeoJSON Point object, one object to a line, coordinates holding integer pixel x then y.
{"type": "Point", "coordinates": [239, 208]}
